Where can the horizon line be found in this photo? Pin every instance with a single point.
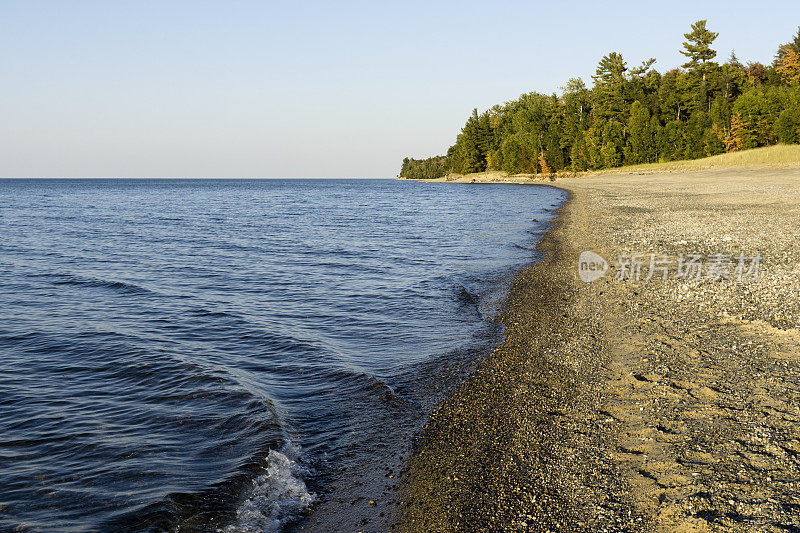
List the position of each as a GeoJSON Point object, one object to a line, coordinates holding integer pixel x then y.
{"type": "Point", "coordinates": [193, 178]}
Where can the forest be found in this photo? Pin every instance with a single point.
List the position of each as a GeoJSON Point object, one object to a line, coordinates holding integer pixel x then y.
{"type": "Point", "coordinates": [633, 115]}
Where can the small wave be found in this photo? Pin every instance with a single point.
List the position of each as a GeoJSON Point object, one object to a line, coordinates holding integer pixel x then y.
{"type": "Point", "coordinates": [361, 384]}
{"type": "Point", "coordinates": [119, 286]}
{"type": "Point", "coordinates": [277, 496]}
{"type": "Point", "coordinates": [466, 296]}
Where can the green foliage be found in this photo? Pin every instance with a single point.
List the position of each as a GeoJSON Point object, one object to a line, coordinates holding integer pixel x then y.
{"type": "Point", "coordinates": [759, 109]}
{"type": "Point", "coordinates": [578, 154]}
{"type": "Point", "coordinates": [613, 143]}
{"type": "Point", "coordinates": [672, 141]}
{"type": "Point", "coordinates": [712, 144]}
{"type": "Point", "coordinates": [695, 135]}
{"type": "Point", "coordinates": [787, 126]}
{"type": "Point", "coordinates": [629, 116]}
{"type": "Point", "coordinates": [641, 144]}
{"type": "Point", "coordinates": [420, 169]}
{"type": "Point", "coordinates": [472, 145]}
{"type": "Point", "coordinates": [609, 88]}
{"type": "Point", "coordinates": [611, 69]}
{"type": "Point", "coordinates": [697, 46]}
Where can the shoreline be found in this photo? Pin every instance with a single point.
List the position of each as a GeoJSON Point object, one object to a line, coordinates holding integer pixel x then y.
{"type": "Point", "coordinates": [780, 156]}
{"type": "Point", "coordinates": [623, 404]}
{"type": "Point", "coordinates": [519, 415]}
{"type": "Point", "coordinates": [366, 496]}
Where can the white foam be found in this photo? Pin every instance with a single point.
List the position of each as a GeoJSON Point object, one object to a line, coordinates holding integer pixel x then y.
{"type": "Point", "coordinates": [276, 497]}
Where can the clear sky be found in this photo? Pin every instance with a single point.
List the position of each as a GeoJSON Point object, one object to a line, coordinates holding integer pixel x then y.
{"type": "Point", "coordinates": [236, 88]}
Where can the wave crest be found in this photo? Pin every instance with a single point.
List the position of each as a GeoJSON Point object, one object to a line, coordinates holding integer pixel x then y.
{"type": "Point", "coordinates": [278, 496]}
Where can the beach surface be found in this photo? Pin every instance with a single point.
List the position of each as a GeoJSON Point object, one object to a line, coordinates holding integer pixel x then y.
{"type": "Point", "coordinates": [627, 404]}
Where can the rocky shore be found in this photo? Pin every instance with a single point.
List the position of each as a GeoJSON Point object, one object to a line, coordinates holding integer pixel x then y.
{"type": "Point", "coordinates": [634, 402]}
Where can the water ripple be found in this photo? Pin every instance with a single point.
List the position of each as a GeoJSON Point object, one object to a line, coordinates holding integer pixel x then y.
{"type": "Point", "coordinates": [208, 354]}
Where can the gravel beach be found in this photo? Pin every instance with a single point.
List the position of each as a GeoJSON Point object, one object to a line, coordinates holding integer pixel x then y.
{"type": "Point", "coordinates": [635, 402]}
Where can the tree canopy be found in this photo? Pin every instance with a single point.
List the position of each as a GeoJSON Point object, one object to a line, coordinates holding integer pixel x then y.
{"type": "Point", "coordinates": [633, 115]}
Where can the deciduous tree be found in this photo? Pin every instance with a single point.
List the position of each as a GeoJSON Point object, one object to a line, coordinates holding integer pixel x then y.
{"type": "Point", "coordinates": [789, 64]}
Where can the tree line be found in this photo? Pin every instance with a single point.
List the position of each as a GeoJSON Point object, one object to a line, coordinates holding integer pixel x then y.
{"type": "Point", "coordinates": [634, 115]}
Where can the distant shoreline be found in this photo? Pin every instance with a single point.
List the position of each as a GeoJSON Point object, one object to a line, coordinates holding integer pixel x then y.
{"type": "Point", "coordinates": [770, 157]}
{"type": "Point", "coordinates": [661, 405]}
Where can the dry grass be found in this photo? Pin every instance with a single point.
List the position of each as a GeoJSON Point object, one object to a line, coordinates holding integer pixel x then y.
{"type": "Point", "coordinates": [781, 155]}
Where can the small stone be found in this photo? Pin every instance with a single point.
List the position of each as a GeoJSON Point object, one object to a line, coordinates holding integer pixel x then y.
{"type": "Point", "coordinates": [673, 480]}
{"type": "Point", "coordinates": [704, 393]}
{"type": "Point", "coordinates": [699, 457]}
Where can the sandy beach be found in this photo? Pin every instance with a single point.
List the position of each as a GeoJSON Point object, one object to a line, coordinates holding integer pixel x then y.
{"type": "Point", "coordinates": [634, 402]}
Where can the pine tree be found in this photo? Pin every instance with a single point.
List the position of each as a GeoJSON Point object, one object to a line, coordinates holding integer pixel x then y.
{"type": "Point", "coordinates": [697, 47]}
{"type": "Point", "coordinates": [610, 69]}
{"type": "Point", "coordinates": [734, 61]}
{"type": "Point", "coordinates": [485, 137]}
{"type": "Point", "coordinates": [469, 156]}
{"type": "Point", "coordinates": [609, 84]}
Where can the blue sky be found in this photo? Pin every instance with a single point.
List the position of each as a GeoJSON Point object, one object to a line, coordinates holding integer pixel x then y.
{"type": "Point", "coordinates": [308, 89]}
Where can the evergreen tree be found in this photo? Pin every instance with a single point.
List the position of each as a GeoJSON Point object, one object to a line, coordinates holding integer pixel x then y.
{"type": "Point", "coordinates": [640, 145]}
{"type": "Point", "coordinates": [734, 61]}
{"type": "Point", "coordinates": [577, 104]}
{"type": "Point", "coordinates": [712, 144]}
{"type": "Point", "coordinates": [670, 99]}
{"type": "Point", "coordinates": [672, 142]}
{"type": "Point", "coordinates": [611, 69]}
{"type": "Point", "coordinates": [469, 156]}
{"type": "Point", "coordinates": [697, 47]}
{"type": "Point", "coordinates": [554, 154]}
{"type": "Point", "coordinates": [609, 80]}
{"type": "Point", "coordinates": [577, 156]}
{"type": "Point", "coordinates": [594, 146]}
{"type": "Point", "coordinates": [613, 144]}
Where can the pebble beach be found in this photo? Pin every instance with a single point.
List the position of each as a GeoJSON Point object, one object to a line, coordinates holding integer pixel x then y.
{"type": "Point", "coordinates": [635, 402]}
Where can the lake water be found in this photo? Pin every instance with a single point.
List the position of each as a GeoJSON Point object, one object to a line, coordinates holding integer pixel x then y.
{"type": "Point", "coordinates": [211, 353]}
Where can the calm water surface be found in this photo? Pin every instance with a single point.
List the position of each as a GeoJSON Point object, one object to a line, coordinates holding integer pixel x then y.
{"type": "Point", "coordinates": [184, 352]}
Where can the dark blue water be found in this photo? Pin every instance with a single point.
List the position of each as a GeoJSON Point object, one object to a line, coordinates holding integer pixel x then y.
{"type": "Point", "coordinates": [204, 353]}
